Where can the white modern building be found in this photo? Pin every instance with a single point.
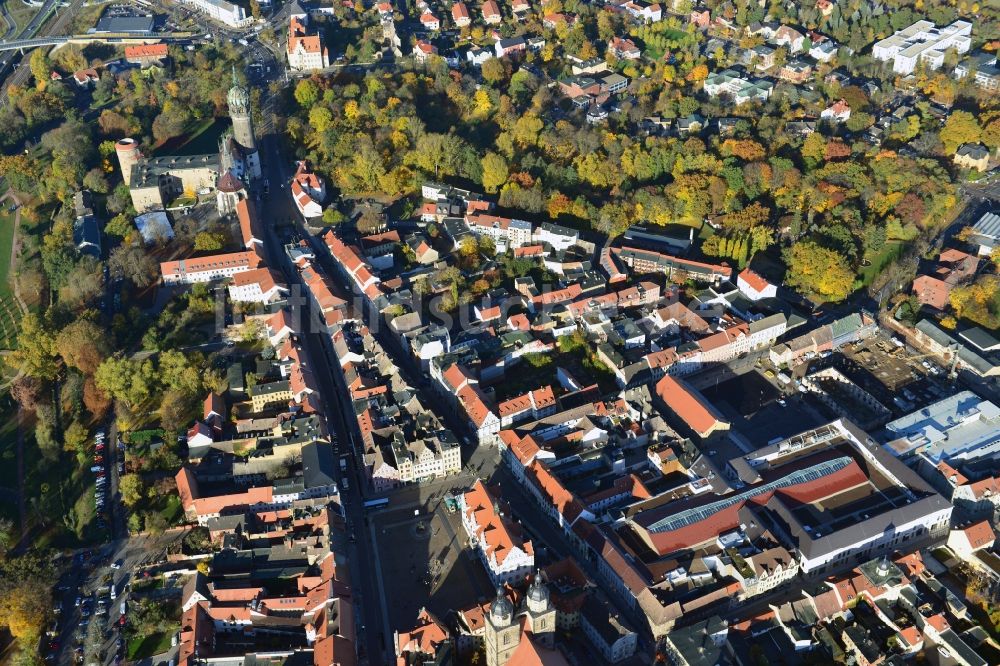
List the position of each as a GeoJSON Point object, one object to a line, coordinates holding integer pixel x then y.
{"type": "Point", "coordinates": [729, 82]}
{"type": "Point", "coordinates": [559, 237]}
{"type": "Point", "coordinates": [923, 42]}
{"type": "Point", "coordinates": [958, 429]}
{"type": "Point", "coordinates": [755, 287]}
{"type": "Point", "coordinates": [208, 269]}
{"type": "Point", "coordinates": [223, 12]}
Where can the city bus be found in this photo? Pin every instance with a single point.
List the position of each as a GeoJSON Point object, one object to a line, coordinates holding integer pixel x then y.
{"type": "Point", "coordinates": [376, 503]}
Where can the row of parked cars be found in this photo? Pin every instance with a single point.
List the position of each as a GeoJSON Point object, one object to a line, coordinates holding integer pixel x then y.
{"type": "Point", "coordinates": [100, 469]}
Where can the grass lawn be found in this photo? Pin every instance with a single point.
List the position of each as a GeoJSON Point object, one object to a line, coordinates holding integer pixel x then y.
{"type": "Point", "coordinates": [147, 646]}
{"type": "Point", "coordinates": [10, 312]}
{"type": "Point", "coordinates": [10, 316]}
{"type": "Point", "coordinates": [526, 377]}
{"type": "Point", "coordinates": [172, 510]}
{"type": "Point", "coordinates": [199, 139]}
{"type": "Point", "coordinates": [20, 12]}
{"type": "Point", "coordinates": [61, 498]}
{"type": "Point", "coordinates": [891, 251]}
{"type": "Point", "coordinates": [6, 239]}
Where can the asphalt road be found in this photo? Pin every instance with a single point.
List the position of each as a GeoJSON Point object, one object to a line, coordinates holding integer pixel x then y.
{"type": "Point", "coordinates": [277, 209]}
{"type": "Point", "coordinates": [986, 189]}
{"type": "Point", "coordinates": [21, 75]}
{"type": "Point", "coordinates": [8, 21]}
{"type": "Point", "coordinates": [29, 30]}
{"type": "Point", "coordinates": [87, 576]}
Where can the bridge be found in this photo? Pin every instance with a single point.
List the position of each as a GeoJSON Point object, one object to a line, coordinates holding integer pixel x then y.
{"type": "Point", "coordinates": [19, 44]}
{"type": "Point", "coordinates": [107, 38]}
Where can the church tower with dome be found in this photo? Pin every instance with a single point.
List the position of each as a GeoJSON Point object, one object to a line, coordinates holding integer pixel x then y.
{"type": "Point", "coordinates": [506, 628]}
{"type": "Point", "coordinates": [541, 614]}
{"type": "Point", "coordinates": [503, 631]}
{"type": "Point", "coordinates": [243, 136]}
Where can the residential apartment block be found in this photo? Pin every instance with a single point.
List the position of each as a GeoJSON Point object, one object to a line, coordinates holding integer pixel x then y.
{"type": "Point", "coordinates": [923, 43]}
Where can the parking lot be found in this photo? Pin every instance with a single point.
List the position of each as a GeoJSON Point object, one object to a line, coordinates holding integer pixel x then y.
{"type": "Point", "coordinates": [89, 595]}
{"type": "Point", "coordinates": [425, 562]}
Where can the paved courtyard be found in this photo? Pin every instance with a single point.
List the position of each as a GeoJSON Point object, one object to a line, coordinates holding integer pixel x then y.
{"type": "Point", "coordinates": [425, 557]}
{"type": "Point", "coordinates": [750, 402]}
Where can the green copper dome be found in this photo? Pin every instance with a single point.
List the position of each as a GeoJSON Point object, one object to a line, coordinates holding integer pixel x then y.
{"type": "Point", "coordinates": [239, 97]}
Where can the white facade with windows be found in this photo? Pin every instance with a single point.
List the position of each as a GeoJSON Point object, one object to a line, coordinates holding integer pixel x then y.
{"type": "Point", "coordinates": [923, 42]}
{"type": "Point", "coordinates": [222, 11]}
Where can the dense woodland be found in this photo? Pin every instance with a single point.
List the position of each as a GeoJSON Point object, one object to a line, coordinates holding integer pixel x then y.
{"type": "Point", "coordinates": [827, 205]}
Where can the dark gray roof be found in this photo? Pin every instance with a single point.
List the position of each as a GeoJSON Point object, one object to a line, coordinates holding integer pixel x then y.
{"type": "Point", "coordinates": [317, 465]}
{"type": "Point", "coordinates": [147, 172]}
{"type": "Point", "coordinates": [974, 150]}
{"type": "Point", "coordinates": [979, 338]}
{"type": "Point", "coordinates": [696, 642]}
{"type": "Point", "coordinates": [230, 523]}
{"type": "Point", "coordinates": [87, 236]}
{"type": "Point", "coordinates": [125, 24]}
{"type": "Point", "coordinates": [954, 643]}
{"type": "Point", "coordinates": [606, 623]}
{"type": "Point", "coordinates": [272, 387]}
{"type": "Point", "coordinates": [988, 225]}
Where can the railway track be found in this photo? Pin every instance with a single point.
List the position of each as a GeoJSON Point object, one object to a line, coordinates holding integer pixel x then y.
{"type": "Point", "coordinates": [21, 75]}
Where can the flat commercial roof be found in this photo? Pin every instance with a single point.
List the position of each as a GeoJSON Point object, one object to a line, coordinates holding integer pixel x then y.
{"type": "Point", "coordinates": [954, 427]}
{"type": "Point", "coordinates": [137, 24]}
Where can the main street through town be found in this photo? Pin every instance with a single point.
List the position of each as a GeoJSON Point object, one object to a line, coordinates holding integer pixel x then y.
{"type": "Point", "coordinates": [282, 224]}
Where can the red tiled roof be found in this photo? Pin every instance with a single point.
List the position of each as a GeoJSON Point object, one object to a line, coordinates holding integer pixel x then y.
{"type": "Point", "coordinates": [931, 291]}
{"type": "Point", "coordinates": [690, 407]}
{"type": "Point", "coordinates": [529, 251]}
{"type": "Point", "coordinates": [424, 638]}
{"type": "Point", "coordinates": [980, 535]}
{"type": "Point", "coordinates": [455, 377]}
{"type": "Point", "coordinates": [527, 653]}
{"type": "Point", "coordinates": [298, 36]}
{"type": "Point", "coordinates": [214, 262]}
{"type": "Point", "coordinates": [499, 536]}
{"type": "Point", "coordinates": [525, 450]}
{"type": "Point", "coordinates": [911, 636]}
{"type": "Point", "coordinates": [553, 489]}
{"type": "Point", "coordinates": [214, 404]}
{"type": "Point", "coordinates": [756, 282]}
{"type": "Point", "coordinates": [727, 518]}
{"type": "Point", "coordinates": [988, 487]}
{"type": "Point", "coordinates": [265, 277]}
{"type": "Point", "coordinates": [146, 51]}
{"type": "Point", "coordinates": [938, 622]}
{"type": "Point", "coordinates": [543, 397]}
{"type": "Point", "coordinates": [952, 474]}
{"type": "Point", "coordinates": [474, 404]}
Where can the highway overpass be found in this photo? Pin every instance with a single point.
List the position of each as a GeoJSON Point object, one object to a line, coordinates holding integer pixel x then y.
{"type": "Point", "coordinates": [123, 38]}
